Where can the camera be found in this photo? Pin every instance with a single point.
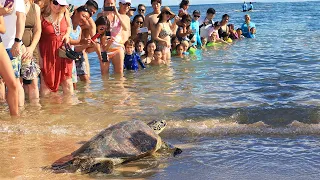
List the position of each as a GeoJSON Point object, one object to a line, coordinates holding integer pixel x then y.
{"type": "Point", "coordinates": [108, 8]}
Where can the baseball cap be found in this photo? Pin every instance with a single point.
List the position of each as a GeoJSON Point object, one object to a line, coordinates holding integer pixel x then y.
{"type": "Point", "coordinates": [124, 1]}
{"type": "Point", "coordinates": [62, 2]}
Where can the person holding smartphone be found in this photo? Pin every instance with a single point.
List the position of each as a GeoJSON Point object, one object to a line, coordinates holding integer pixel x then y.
{"type": "Point", "coordinates": [12, 41]}
{"type": "Point", "coordinates": [136, 25]}
{"type": "Point", "coordinates": [55, 71]}
{"type": "Point", "coordinates": [120, 32]}
{"type": "Point", "coordinates": [6, 70]}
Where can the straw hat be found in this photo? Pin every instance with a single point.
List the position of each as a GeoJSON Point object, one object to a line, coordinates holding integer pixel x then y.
{"type": "Point", "coordinates": [165, 10]}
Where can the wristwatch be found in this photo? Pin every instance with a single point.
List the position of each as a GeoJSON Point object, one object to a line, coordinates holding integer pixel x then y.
{"type": "Point", "coordinates": [17, 40]}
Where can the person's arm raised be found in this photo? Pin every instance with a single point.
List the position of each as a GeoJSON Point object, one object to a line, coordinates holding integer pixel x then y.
{"type": "Point", "coordinates": [2, 26]}
{"type": "Point", "coordinates": [124, 22]}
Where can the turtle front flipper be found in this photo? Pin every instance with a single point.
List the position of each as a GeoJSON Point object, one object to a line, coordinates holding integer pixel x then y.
{"type": "Point", "coordinates": [166, 147]}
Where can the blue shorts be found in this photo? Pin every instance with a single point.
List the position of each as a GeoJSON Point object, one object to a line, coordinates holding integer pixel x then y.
{"type": "Point", "coordinates": [16, 63]}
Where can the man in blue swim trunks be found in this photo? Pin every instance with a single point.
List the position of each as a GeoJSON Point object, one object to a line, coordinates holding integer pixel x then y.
{"type": "Point", "coordinates": [248, 28]}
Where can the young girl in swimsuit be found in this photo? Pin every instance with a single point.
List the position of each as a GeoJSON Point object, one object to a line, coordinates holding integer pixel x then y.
{"type": "Point", "coordinates": [148, 57]}
{"type": "Point", "coordinates": [180, 50]}
{"type": "Point", "coordinates": [184, 6]}
{"type": "Point", "coordinates": [174, 42]}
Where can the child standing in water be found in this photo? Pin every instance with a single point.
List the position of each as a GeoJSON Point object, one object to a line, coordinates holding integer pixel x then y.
{"type": "Point", "coordinates": [233, 33]}
{"type": "Point", "coordinates": [214, 38]}
{"type": "Point", "coordinates": [139, 48]}
{"type": "Point", "coordinates": [157, 58]}
{"type": "Point", "coordinates": [204, 42]}
{"type": "Point", "coordinates": [174, 42]}
{"type": "Point", "coordinates": [180, 50]}
{"type": "Point", "coordinates": [131, 59]}
{"type": "Point", "coordinates": [148, 57]}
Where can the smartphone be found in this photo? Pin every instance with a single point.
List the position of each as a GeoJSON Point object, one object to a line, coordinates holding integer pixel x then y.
{"type": "Point", "coordinates": [7, 2]}
{"type": "Point", "coordinates": [95, 36]}
{"type": "Point", "coordinates": [143, 30]}
{"type": "Point", "coordinates": [108, 8]}
{"type": "Point", "coordinates": [104, 57]}
{"type": "Point", "coordinates": [108, 33]}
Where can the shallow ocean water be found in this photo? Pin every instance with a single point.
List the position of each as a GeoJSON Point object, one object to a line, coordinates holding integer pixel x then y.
{"type": "Point", "coordinates": [247, 111]}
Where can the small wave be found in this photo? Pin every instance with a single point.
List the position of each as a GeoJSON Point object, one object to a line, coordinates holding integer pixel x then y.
{"type": "Point", "coordinates": [216, 128]}
{"type": "Point", "coordinates": [276, 115]}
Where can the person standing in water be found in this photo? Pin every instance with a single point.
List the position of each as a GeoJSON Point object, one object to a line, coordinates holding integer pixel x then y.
{"type": "Point", "coordinates": [248, 28]}
{"type": "Point", "coordinates": [250, 7]}
{"type": "Point", "coordinates": [244, 7]}
{"type": "Point", "coordinates": [152, 18]}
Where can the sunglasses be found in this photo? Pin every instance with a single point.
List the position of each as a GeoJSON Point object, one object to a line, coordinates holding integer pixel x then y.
{"type": "Point", "coordinates": [102, 28]}
{"type": "Point", "coordinates": [56, 3]}
{"type": "Point", "coordinates": [196, 16]}
{"type": "Point", "coordinates": [142, 10]}
{"type": "Point", "coordinates": [139, 22]}
{"type": "Point", "coordinates": [128, 4]}
{"type": "Point", "coordinates": [167, 13]}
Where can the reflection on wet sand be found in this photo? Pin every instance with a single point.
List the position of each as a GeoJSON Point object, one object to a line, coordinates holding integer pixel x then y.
{"type": "Point", "coordinates": [43, 134]}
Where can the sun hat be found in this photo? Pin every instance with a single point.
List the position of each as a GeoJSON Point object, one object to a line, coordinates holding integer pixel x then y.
{"type": "Point", "coordinates": [167, 9]}
{"type": "Point", "coordinates": [62, 2]}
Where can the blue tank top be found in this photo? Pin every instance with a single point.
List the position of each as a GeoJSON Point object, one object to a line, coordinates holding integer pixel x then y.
{"type": "Point", "coordinates": [74, 35]}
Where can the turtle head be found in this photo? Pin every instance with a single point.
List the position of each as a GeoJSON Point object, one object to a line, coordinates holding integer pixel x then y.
{"type": "Point", "coordinates": [157, 125]}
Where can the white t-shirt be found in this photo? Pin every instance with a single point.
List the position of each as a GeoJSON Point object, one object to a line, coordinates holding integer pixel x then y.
{"type": "Point", "coordinates": [204, 29]}
{"type": "Point", "coordinates": [10, 23]}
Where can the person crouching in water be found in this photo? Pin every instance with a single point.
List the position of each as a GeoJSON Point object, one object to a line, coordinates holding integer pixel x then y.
{"type": "Point", "coordinates": [131, 59]}
{"type": "Point", "coordinates": [157, 58]}
{"type": "Point", "coordinates": [180, 51]}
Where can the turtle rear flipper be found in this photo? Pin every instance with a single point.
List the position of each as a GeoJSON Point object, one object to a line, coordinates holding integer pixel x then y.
{"type": "Point", "coordinates": [104, 166]}
{"type": "Point", "coordinates": [94, 165]}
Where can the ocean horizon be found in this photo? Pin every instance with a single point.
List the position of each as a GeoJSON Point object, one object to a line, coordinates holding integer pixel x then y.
{"type": "Point", "coordinates": [201, 2]}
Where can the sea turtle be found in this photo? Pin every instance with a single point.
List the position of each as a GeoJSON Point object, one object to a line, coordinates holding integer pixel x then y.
{"type": "Point", "coordinates": [122, 142]}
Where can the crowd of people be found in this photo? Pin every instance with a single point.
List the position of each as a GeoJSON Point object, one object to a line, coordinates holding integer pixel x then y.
{"type": "Point", "coordinates": [50, 40]}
